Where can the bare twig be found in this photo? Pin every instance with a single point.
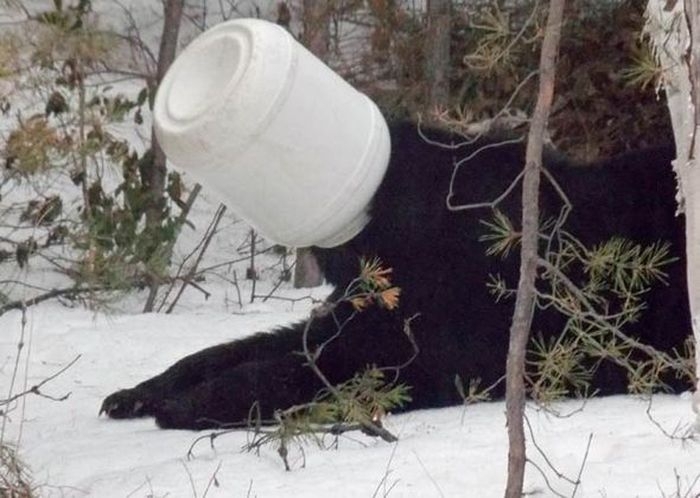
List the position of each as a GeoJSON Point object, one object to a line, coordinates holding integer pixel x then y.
{"type": "Point", "coordinates": [187, 280]}
{"type": "Point", "coordinates": [542, 453]}
{"type": "Point", "coordinates": [520, 35]}
{"type": "Point", "coordinates": [681, 432]}
{"type": "Point", "coordinates": [549, 410]}
{"type": "Point", "coordinates": [483, 128]}
{"type": "Point", "coordinates": [70, 292]}
{"type": "Point", "coordinates": [191, 479]}
{"type": "Point", "coordinates": [15, 371]}
{"type": "Point", "coordinates": [487, 204]}
{"type": "Point", "coordinates": [250, 489]}
{"type": "Point", "coordinates": [232, 261]}
{"type": "Point", "coordinates": [678, 492]}
{"type": "Point", "coordinates": [212, 480]}
{"type": "Point", "coordinates": [582, 466]}
{"type": "Point", "coordinates": [36, 389]}
{"type": "Point", "coordinates": [544, 477]}
{"type": "Point", "coordinates": [238, 289]}
{"type": "Point", "coordinates": [526, 297]}
{"type": "Point", "coordinates": [432, 479]}
{"type": "Point", "coordinates": [213, 436]}
{"type": "Point", "coordinates": [251, 273]}
{"type": "Point", "coordinates": [408, 332]}
{"type": "Point", "coordinates": [385, 476]}
{"type": "Point", "coordinates": [282, 278]}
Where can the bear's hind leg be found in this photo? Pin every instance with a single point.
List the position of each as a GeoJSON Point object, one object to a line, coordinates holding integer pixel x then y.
{"type": "Point", "coordinates": [246, 394]}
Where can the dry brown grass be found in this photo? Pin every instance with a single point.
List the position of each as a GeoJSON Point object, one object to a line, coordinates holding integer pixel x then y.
{"type": "Point", "coordinates": [15, 479]}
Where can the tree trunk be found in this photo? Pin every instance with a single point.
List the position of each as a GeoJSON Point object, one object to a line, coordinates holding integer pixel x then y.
{"type": "Point", "coordinates": [316, 37]}
{"type": "Point", "coordinates": [316, 20]}
{"type": "Point", "coordinates": [674, 29]}
{"type": "Point", "coordinates": [153, 175]}
{"type": "Point", "coordinates": [691, 183]}
{"type": "Point", "coordinates": [307, 272]}
{"type": "Point", "coordinates": [437, 54]}
{"type": "Point", "coordinates": [525, 299]}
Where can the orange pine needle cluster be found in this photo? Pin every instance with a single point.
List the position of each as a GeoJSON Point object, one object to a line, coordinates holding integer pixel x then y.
{"type": "Point", "coordinates": [377, 283]}
{"type": "Point", "coordinates": [360, 302]}
{"type": "Point", "coordinates": [390, 298]}
{"type": "Point", "coordinates": [373, 274]}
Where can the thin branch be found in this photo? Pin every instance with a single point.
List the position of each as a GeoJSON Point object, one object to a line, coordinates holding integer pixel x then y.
{"type": "Point", "coordinates": [370, 427]}
{"type": "Point", "coordinates": [179, 223]}
{"type": "Point", "coordinates": [250, 272]}
{"type": "Point", "coordinates": [477, 135]}
{"type": "Point", "coordinates": [565, 210]}
{"type": "Point", "coordinates": [36, 389]}
{"type": "Point", "coordinates": [70, 292]}
{"type": "Point", "coordinates": [277, 285]}
{"type": "Point", "coordinates": [212, 480]}
{"type": "Point", "coordinates": [137, 40]}
{"type": "Point", "coordinates": [545, 478]}
{"type": "Point", "coordinates": [432, 479]}
{"type": "Point", "coordinates": [679, 433]}
{"type": "Point", "coordinates": [583, 465]}
{"type": "Point", "coordinates": [387, 471]}
{"type": "Point", "coordinates": [187, 280]}
{"type": "Point", "coordinates": [231, 261]}
{"type": "Point", "coordinates": [191, 479]}
{"type": "Point", "coordinates": [15, 369]}
{"type": "Point", "coordinates": [526, 295]}
{"type": "Point", "coordinates": [480, 205]}
{"type": "Point", "coordinates": [521, 33]}
{"type": "Point", "coordinates": [408, 332]}
{"type": "Point", "coordinates": [542, 453]}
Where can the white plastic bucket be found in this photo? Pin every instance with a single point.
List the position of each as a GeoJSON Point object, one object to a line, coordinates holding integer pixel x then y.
{"type": "Point", "coordinates": [276, 134]}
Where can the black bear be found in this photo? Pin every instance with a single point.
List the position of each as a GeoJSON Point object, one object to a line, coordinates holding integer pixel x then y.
{"type": "Point", "coordinates": [439, 262]}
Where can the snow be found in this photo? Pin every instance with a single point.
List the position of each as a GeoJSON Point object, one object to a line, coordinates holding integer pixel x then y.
{"type": "Point", "coordinates": [458, 451]}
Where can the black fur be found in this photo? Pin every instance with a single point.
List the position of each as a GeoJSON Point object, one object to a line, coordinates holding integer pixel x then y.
{"type": "Point", "coordinates": [442, 270]}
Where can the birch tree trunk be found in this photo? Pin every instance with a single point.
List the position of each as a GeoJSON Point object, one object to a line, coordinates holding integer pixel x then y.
{"type": "Point", "coordinates": [674, 29]}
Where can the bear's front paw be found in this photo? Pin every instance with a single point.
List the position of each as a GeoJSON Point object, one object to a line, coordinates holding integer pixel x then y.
{"type": "Point", "coordinates": [127, 403]}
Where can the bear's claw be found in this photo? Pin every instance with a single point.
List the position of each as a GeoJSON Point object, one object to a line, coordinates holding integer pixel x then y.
{"type": "Point", "coordinates": [124, 404]}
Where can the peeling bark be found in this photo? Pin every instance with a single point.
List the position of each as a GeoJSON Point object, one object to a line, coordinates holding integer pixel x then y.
{"type": "Point", "coordinates": [674, 29]}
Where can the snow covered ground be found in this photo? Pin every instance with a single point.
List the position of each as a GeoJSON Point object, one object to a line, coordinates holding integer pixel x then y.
{"type": "Point", "coordinates": [450, 452]}
{"type": "Point", "coordinates": [442, 453]}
